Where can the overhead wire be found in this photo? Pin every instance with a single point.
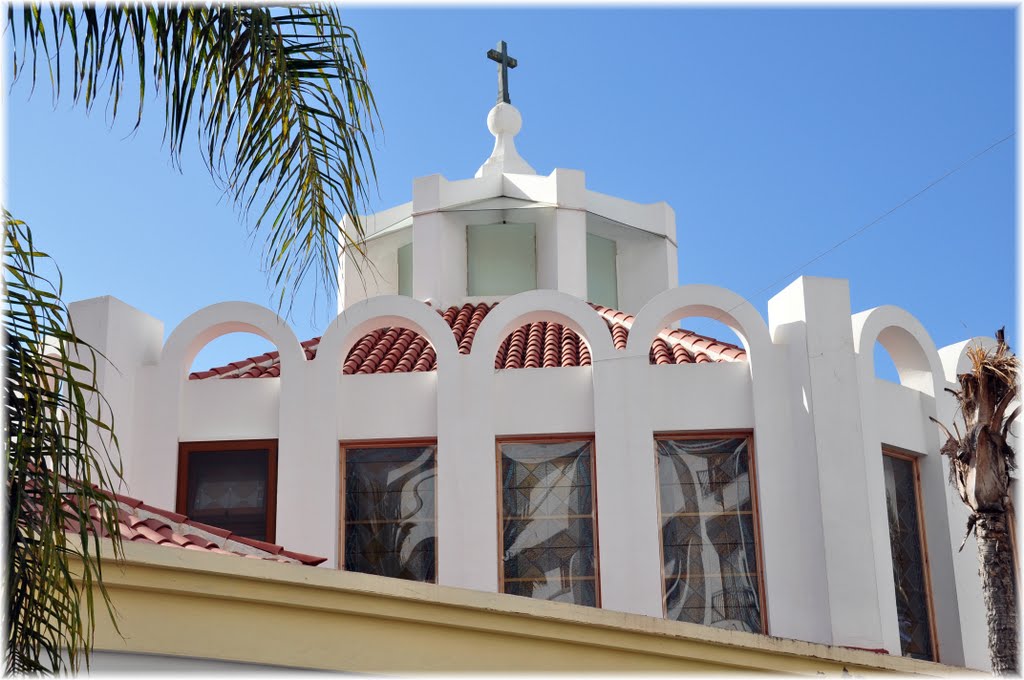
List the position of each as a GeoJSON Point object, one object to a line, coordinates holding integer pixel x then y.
{"type": "Point", "coordinates": [865, 227]}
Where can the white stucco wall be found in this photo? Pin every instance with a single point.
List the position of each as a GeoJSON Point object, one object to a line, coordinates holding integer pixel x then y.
{"type": "Point", "coordinates": [808, 393]}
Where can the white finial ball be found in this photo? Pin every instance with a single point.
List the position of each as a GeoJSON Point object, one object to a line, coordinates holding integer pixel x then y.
{"type": "Point", "coordinates": [504, 118]}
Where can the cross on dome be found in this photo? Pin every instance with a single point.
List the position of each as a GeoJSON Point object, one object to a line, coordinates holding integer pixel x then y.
{"type": "Point", "coordinates": [504, 122]}
{"type": "Point", "coordinates": [505, 62]}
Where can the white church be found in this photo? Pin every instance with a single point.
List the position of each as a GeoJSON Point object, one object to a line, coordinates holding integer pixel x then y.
{"type": "Point", "coordinates": [507, 453]}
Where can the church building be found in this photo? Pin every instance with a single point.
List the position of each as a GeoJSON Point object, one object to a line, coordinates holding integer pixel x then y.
{"type": "Point", "coordinates": [506, 452]}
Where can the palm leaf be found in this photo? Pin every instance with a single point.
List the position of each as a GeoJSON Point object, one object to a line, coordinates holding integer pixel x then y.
{"type": "Point", "coordinates": [60, 449]}
{"type": "Point", "coordinates": [277, 97]}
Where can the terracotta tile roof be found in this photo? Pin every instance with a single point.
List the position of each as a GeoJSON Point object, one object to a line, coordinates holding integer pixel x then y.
{"type": "Point", "coordinates": [541, 344]}
{"type": "Point", "coordinates": [141, 523]}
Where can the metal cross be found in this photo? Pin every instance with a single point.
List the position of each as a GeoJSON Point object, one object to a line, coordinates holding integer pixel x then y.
{"type": "Point", "coordinates": [505, 62]}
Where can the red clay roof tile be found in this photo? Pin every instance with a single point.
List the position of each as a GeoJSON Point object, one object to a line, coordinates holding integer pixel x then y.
{"type": "Point", "coordinates": [147, 524]}
{"type": "Point", "coordinates": [271, 548]}
{"type": "Point", "coordinates": [541, 344]}
{"type": "Point", "coordinates": [216, 531]}
{"type": "Point", "coordinates": [172, 516]}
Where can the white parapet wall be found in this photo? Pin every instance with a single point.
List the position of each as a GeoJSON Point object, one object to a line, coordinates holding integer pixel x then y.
{"type": "Point", "coordinates": [807, 392]}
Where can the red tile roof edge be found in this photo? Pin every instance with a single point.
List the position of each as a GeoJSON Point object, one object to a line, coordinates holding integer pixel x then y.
{"type": "Point", "coordinates": [139, 522]}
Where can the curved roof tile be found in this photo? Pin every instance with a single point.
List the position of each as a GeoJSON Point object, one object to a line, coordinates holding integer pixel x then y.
{"type": "Point", "coordinates": [541, 344]}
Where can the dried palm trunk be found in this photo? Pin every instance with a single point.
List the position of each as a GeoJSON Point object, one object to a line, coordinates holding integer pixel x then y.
{"type": "Point", "coordinates": [998, 589]}
{"type": "Point", "coordinates": [980, 461]}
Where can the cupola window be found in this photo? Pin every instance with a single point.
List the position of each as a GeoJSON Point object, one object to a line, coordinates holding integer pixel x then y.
{"type": "Point", "coordinates": [602, 279]}
{"type": "Point", "coordinates": [502, 259]}
{"type": "Point", "coordinates": [405, 270]}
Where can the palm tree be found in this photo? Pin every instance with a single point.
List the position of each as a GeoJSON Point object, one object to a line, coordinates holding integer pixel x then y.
{"type": "Point", "coordinates": [980, 461]}
{"type": "Point", "coordinates": [279, 101]}
{"type": "Point", "coordinates": [58, 439]}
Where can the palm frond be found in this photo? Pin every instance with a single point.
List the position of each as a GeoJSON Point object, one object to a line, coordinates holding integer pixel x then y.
{"type": "Point", "coordinates": [981, 459]}
{"type": "Point", "coordinates": [278, 98]}
{"type": "Point", "coordinates": [60, 447]}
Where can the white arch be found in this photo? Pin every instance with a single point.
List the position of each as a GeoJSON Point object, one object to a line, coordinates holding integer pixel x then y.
{"type": "Point", "coordinates": [920, 368]}
{"type": "Point", "coordinates": [377, 312]}
{"type": "Point", "coordinates": [908, 343]}
{"type": "Point", "coordinates": [209, 323]}
{"type": "Point", "coordinates": [954, 357]}
{"type": "Point", "coordinates": [699, 299]}
{"type": "Point", "coordinates": [539, 305]}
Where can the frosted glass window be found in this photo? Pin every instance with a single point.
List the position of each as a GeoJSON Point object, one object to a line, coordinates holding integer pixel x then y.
{"type": "Point", "coordinates": [908, 567]}
{"type": "Point", "coordinates": [709, 533]}
{"type": "Point", "coordinates": [602, 280]}
{"type": "Point", "coordinates": [230, 486]}
{"type": "Point", "coordinates": [502, 259]}
{"type": "Point", "coordinates": [547, 519]}
{"type": "Point", "coordinates": [405, 270]}
{"type": "Point", "coordinates": [389, 514]}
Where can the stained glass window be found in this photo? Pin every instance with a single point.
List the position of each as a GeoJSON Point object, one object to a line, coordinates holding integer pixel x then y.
{"type": "Point", "coordinates": [230, 487]}
{"type": "Point", "coordinates": [389, 514]}
{"type": "Point", "coordinates": [547, 519]}
{"type": "Point", "coordinates": [908, 568]}
{"type": "Point", "coordinates": [709, 533]}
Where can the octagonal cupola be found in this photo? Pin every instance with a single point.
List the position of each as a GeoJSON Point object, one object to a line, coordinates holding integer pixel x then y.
{"type": "Point", "coordinates": [508, 229]}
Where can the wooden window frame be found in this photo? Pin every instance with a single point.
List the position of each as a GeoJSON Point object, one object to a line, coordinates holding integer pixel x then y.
{"type": "Point", "coordinates": [754, 504]}
{"type": "Point", "coordinates": [186, 449]}
{"type": "Point", "coordinates": [343, 447]}
{"type": "Point", "coordinates": [903, 454]}
{"type": "Point", "coordinates": [548, 439]}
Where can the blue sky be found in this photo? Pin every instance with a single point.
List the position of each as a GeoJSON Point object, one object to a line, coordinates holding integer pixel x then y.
{"type": "Point", "coordinates": [773, 134]}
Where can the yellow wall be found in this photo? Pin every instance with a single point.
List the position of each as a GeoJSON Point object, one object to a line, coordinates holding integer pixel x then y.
{"type": "Point", "coordinates": [187, 603]}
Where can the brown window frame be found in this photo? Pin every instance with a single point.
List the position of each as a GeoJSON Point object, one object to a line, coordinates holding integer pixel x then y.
{"type": "Point", "coordinates": [754, 504]}
{"type": "Point", "coordinates": [343, 446]}
{"type": "Point", "coordinates": [549, 439]}
{"type": "Point", "coordinates": [904, 454]}
{"type": "Point", "coordinates": [186, 449]}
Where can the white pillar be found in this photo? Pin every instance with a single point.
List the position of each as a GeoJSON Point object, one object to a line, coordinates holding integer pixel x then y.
{"type": "Point", "coordinates": [439, 267]}
{"type": "Point", "coordinates": [467, 512]}
{"type": "Point", "coordinates": [811, 317]}
{"type": "Point", "coordinates": [629, 526]}
{"type": "Point", "coordinates": [129, 338]}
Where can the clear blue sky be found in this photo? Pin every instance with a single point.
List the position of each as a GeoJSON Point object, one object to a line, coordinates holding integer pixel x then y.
{"type": "Point", "coordinates": [773, 134]}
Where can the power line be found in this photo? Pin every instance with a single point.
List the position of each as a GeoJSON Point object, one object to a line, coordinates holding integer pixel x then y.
{"type": "Point", "coordinates": [873, 222]}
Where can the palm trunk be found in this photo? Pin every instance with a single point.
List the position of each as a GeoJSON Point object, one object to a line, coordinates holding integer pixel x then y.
{"type": "Point", "coordinates": [999, 590]}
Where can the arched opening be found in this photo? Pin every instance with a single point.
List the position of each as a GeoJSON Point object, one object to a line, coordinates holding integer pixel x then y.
{"type": "Point", "coordinates": [908, 357]}
{"type": "Point", "coordinates": [390, 349]}
{"type": "Point", "coordinates": [542, 344]}
{"type": "Point", "coordinates": [885, 367]}
{"type": "Point", "coordinates": [236, 355]}
{"type": "Point", "coordinates": [696, 340]}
